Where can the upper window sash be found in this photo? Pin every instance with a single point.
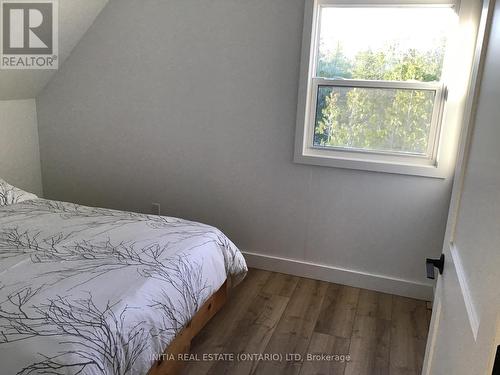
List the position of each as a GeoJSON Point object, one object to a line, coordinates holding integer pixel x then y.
{"type": "Point", "coordinates": [315, 33]}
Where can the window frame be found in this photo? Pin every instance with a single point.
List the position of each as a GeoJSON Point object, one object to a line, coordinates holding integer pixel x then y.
{"type": "Point", "coordinates": [430, 164]}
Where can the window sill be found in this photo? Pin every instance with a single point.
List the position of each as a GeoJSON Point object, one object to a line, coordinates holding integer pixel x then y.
{"type": "Point", "coordinates": [395, 164]}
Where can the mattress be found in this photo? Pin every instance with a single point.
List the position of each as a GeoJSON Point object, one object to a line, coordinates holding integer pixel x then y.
{"type": "Point", "coordinates": [95, 291]}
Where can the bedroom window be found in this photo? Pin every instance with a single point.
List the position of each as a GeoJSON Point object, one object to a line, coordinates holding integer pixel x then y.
{"type": "Point", "coordinates": [374, 91]}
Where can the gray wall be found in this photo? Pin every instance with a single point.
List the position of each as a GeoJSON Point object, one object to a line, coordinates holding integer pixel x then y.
{"type": "Point", "coordinates": [192, 104]}
{"type": "Point", "coordinates": [19, 153]}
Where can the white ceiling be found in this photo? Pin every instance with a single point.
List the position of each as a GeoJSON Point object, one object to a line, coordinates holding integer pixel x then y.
{"type": "Point", "coordinates": [75, 18]}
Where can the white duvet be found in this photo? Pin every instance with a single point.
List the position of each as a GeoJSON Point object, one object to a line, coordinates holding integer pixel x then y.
{"type": "Point", "coordinates": [95, 291]}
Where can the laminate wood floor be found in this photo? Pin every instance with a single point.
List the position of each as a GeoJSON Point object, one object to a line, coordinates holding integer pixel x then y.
{"type": "Point", "coordinates": [363, 331]}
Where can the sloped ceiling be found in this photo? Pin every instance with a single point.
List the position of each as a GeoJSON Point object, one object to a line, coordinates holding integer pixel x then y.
{"type": "Point", "coordinates": [75, 18]}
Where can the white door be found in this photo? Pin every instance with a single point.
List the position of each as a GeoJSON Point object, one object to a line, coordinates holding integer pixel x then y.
{"type": "Point", "coordinates": [465, 321]}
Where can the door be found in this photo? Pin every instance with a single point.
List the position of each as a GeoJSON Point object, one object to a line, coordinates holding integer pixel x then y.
{"type": "Point", "coordinates": [464, 332]}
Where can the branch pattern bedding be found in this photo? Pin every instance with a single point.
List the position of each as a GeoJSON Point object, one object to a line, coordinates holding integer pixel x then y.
{"type": "Point", "coordinates": [95, 291]}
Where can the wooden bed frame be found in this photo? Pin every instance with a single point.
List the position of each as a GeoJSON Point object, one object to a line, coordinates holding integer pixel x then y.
{"type": "Point", "coordinates": [182, 343]}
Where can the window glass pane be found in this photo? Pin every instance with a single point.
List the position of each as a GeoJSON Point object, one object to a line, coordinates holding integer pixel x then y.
{"type": "Point", "coordinates": [383, 43]}
{"type": "Point", "coordinates": [375, 119]}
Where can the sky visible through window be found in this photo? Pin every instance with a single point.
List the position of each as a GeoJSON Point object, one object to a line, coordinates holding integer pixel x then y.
{"type": "Point", "coordinates": [353, 30]}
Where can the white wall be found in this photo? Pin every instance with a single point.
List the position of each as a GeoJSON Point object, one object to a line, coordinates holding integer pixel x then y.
{"type": "Point", "coordinates": [19, 152]}
{"type": "Point", "coordinates": [192, 104]}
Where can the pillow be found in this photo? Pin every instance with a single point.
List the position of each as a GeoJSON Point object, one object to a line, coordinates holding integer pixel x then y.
{"type": "Point", "coordinates": [10, 194]}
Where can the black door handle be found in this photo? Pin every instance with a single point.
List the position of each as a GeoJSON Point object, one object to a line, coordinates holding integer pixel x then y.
{"type": "Point", "coordinates": [431, 263]}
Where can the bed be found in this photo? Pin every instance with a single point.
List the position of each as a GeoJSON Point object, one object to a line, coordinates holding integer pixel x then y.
{"type": "Point", "coordinates": [96, 291]}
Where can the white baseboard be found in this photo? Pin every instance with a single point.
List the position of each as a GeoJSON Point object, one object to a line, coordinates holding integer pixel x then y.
{"type": "Point", "coordinates": [359, 279]}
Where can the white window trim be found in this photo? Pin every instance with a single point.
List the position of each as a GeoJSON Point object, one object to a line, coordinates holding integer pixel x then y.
{"type": "Point", "coordinates": [440, 158]}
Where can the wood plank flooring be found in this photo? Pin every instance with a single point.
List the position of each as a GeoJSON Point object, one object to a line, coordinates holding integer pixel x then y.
{"type": "Point", "coordinates": [269, 313]}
